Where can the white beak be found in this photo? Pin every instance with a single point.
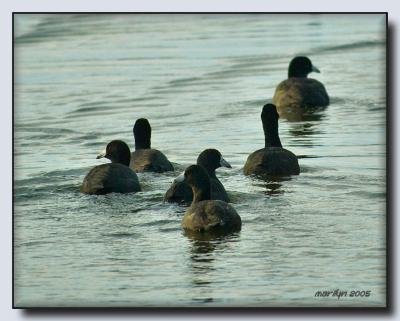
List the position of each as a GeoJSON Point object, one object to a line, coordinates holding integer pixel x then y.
{"type": "Point", "coordinates": [224, 163]}
{"type": "Point", "coordinates": [315, 69]}
{"type": "Point", "coordinates": [180, 178]}
{"type": "Point", "coordinates": [101, 155]}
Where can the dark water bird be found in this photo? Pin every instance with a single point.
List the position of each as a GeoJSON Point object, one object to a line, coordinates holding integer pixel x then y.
{"type": "Point", "coordinates": [210, 160]}
{"type": "Point", "coordinates": [112, 177]}
{"type": "Point", "coordinates": [145, 158]}
{"type": "Point", "coordinates": [298, 90]}
{"type": "Point", "coordinates": [272, 160]}
{"type": "Point", "coordinates": [204, 214]}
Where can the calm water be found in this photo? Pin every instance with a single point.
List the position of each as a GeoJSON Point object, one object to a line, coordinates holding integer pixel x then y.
{"type": "Point", "coordinates": [201, 80]}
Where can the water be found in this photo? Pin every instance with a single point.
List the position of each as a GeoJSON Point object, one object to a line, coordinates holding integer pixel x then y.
{"type": "Point", "coordinates": [201, 80]}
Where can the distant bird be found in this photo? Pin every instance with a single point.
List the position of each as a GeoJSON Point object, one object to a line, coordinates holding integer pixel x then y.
{"type": "Point", "coordinates": [210, 160]}
{"type": "Point", "coordinates": [204, 214]}
{"type": "Point", "coordinates": [298, 90]}
{"type": "Point", "coordinates": [145, 158]}
{"type": "Point", "coordinates": [272, 160]}
{"type": "Point", "coordinates": [112, 177]}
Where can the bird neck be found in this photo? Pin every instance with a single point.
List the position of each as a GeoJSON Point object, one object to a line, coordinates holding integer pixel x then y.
{"type": "Point", "coordinates": [271, 136]}
{"type": "Point", "coordinates": [142, 142]}
{"type": "Point", "coordinates": [126, 160]}
{"type": "Point", "coordinates": [210, 170]}
{"type": "Point", "coordinates": [122, 159]}
{"type": "Point", "coordinates": [296, 75]}
{"type": "Point", "coordinates": [201, 192]}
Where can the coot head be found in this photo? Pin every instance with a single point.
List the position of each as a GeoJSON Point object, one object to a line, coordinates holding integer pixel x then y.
{"type": "Point", "coordinates": [198, 179]}
{"type": "Point", "coordinates": [142, 133]}
{"type": "Point", "coordinates": [301, 67]}
{"type": "Point", "coordinates": [194, 175]}
{"type": "Point", "coordinates": [269, 113]}
{"type": "Point", "coordinates": [117, 151]}
{"type": "Point", "coordinates": [211, 159]}
{"type": "Point", "coordinates": [269, 117]}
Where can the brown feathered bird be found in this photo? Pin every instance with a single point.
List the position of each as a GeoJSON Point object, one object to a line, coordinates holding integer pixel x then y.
{"type": "Point", "coordinates": [272, 160]}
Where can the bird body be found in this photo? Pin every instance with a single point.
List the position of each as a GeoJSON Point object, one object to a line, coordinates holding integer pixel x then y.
{"type": "Point", "coordinates": [150, 160]}
{"type": "Point", "coordinates": [205, 214]}
{"type": "Point", "coordinates": [114, 177]}
{"type": "Point", "coordinates": [145, 158]}
{"type": "Point", "coordinates": [108, 178]}
{"type": "Point", "coordinates": [210, 160]}
{"type": "Point", "coordinates": [273, 159]}
{"type": "Point", "coordinates": [298, 91]}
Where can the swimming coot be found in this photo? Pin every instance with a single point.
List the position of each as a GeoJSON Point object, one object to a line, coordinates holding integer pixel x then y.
{"type": "Point", "coordinates": [145, 158]}
{"type": "Point", "coordinates": [272, 160]}
{"type": "Point", "coordinates": [205, 214]}
{"type": "Point", "coordinates": [210, 160]}
{"type": "Point", "coordinates": [298, 90]}
{"type": "Point", "coordinates": [112, 177]}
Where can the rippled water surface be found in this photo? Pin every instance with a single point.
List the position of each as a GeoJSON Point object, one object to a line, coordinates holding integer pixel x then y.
{"type": "Point", "coordinates": [201, 80]}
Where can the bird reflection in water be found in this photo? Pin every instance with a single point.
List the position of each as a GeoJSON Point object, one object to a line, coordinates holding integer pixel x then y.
{"type": "Point", "coordinates": [203, 246]}
{"type": "Point", "coordinates": [273, 185]}
{"type": "Point", "coordinates": [302, 114]}
{"type": "Point", "coordinates": [273, 188]}
{"type": "Point", "coordinates": [304, 125]}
